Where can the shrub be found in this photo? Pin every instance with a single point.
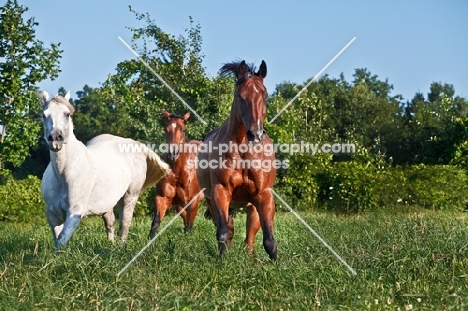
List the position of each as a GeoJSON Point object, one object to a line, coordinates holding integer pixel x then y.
{"type": "Point", "coordinates": [21, 200]}
{"type": "Point", "coordinates": [355, 187]}
{"type": "Point", "coordinates": [145, 203]}
{"type": "Point", "coordinates": [390, 187]}
{"type": "Point", "coordinates": [349, 187]}
{"type": "Point", "coordinates": [438, 187]}
{"type": "Point", "coordinates": [299, 181]}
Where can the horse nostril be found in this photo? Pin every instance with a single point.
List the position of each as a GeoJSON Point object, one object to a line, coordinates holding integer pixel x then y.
{"type": "Point", "coordinates": [59, 137]}
{"type": "Point", "coordinates": [49, 138]}
{"type": "Point", "coordinates": [250, 136]}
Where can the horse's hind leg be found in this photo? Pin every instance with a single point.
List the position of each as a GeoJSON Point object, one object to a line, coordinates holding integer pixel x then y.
{"type": "Point", "coordinates": [183, 213]}
{"type": "Point", "coordinates": [126, 214]}
{"type": "Point", "coordinates": [252, 227]}
{"type": "Point", "coordinates": [109, 220]}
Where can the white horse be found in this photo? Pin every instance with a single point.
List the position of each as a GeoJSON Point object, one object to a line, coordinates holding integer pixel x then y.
{"type": "Point", "coordinates": [90, 180]}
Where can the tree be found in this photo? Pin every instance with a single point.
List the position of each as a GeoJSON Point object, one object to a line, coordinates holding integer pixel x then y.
{"type": "Point", "coordinates": [134, 91]}
{"type": "Point", "coordinates": [436, 125]}
{"type": "Point", "coordinates": [25, 61]}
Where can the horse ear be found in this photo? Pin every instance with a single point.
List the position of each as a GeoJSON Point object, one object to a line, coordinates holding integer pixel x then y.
{"type": "Point", "coordinates": [262, 72]}
{"type": "Point", "coordinates": [166, 115]}
{"type": "Point", "coordinates": [67, 95]}
{"type": "Point", "coordinates": [45, 97]}
{"type": "Point", "coordinates": [243, 70]}
{"type": "Point", "coordinates": [186, 116]}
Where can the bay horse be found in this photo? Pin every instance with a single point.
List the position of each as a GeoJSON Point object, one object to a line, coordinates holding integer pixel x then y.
{"type": "Point", "coordinates": [235, 181]}
{"type": "Point", "coordinates": [90, 180]}
{"type": "Point", "coordinates": [181, 184]}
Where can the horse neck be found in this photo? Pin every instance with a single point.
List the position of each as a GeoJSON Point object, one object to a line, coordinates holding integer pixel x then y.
{"type": "Point", "coordinates": [236, 127]}
{"type": "Point", "coordinates": [63, 159]}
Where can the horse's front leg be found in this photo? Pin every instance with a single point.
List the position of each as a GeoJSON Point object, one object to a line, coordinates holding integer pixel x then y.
{"type": "Point", "coordinates": [165, 194]}
{"type": "Point", "coordinates": [161, 205]}
{"type": "Point", "coordinates": [55, 223]}
{"type": "Point", "coordinates": [266, 209]}
{"type": "Point", "coordinates": [221, 199]}
{"type": "Point", "coordinates": [69, 226]}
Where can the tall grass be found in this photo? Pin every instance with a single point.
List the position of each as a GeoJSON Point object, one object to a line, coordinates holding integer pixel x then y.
{"type": "Point", "coordinates": [413, 260]}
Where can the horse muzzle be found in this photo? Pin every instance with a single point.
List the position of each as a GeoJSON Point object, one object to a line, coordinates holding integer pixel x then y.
{"type": "Point", "coordinates": [256, 138]}
{"type": "Point", "coordinates": [173, 153]}
{"type": "Point", "coordinates": [55, 140]}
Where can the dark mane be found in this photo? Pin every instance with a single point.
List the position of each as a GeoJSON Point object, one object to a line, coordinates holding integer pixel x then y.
{"type": "Point", "coordinates": [231, 69]}
{"type": "Point", "coordinates": [176, 116]}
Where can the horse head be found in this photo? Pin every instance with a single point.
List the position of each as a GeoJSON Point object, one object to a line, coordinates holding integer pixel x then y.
{"type": "Point", "coordinates": [56, 116]}
{"type": "Point", "coordinates": [175, 133]}
{"type": "Point", "coordinates": [249, 98]}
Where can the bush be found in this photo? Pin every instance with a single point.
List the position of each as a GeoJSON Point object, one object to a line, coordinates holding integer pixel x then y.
{"type": "Point", "coordinates": [299, 181]}
{"type": "Point", "coordinates": [21, 200]}
{"type": "Point", "coordinates": [145, 203]}
{"type": "Point", "coordinates": [390, 187]}
{"type": "Point", "coordinates": [348, 187]}
{"type": "Point", "coordinates": [439, 187]}
{"type": "Point", "coordinates": [355, 187]}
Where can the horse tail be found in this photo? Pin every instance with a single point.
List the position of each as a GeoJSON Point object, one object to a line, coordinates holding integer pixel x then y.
{"type": "Point", "coordinates": [156, 168]}
{"type": "Point", "coordinates": [232, 212]}
{"type": "Point", "coordinates": [207, 213]}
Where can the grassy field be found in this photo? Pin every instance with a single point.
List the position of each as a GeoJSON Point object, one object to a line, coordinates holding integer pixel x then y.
{"type": "Point", "coordinates": [413, 260]}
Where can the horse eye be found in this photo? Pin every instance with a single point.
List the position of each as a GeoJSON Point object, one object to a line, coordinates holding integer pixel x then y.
{"type": "Point", "coordinates": [67, 114]}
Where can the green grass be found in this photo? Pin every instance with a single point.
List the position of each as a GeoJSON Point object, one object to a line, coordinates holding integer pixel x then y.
{"type": "Point", "coordinates": [415, 260]}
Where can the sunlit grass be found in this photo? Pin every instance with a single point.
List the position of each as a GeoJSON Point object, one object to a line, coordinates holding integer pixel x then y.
{"type": "Point", "coordinates": [413, 260]}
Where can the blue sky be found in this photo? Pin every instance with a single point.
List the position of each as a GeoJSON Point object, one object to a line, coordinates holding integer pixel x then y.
{"type": "Point", "coordinates": [412, 43]}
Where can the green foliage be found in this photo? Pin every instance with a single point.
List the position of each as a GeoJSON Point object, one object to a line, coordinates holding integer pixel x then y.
{"type": "Point", "coordinates": [300, 182]}
{"type": "Point", "coordinates": [145, 203]}
{"type": "Point", "coordinates": [22, 201]}
{"type": "Point", "coordinates": [137, 98]}
{"type": "Point", "coordinates": [434, 128]}
{"type": "Point", "coordinates": [440, 187]}
{"type": "Point", "coordinates": [346, 187]}
{"type": "Point", "coordinates": [25, 62]}
{"type": "Point", "coordinates": [355, 187]}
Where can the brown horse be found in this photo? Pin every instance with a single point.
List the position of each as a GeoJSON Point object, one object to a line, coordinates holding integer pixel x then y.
{"type": "Point", "coordinates": [230, 177]}
{"type": "Point", "coordinates": [181, 185]}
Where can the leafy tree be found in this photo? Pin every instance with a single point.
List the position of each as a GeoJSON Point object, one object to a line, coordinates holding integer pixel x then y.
{"type": "Point", "coordinates": [140, 97]}
{"type": "Point", "coordinates": [25, 61]}
{"type": "Point", "coordinates": [96, 114]}
{"type": "Point", "coordinates": [436, 124]}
